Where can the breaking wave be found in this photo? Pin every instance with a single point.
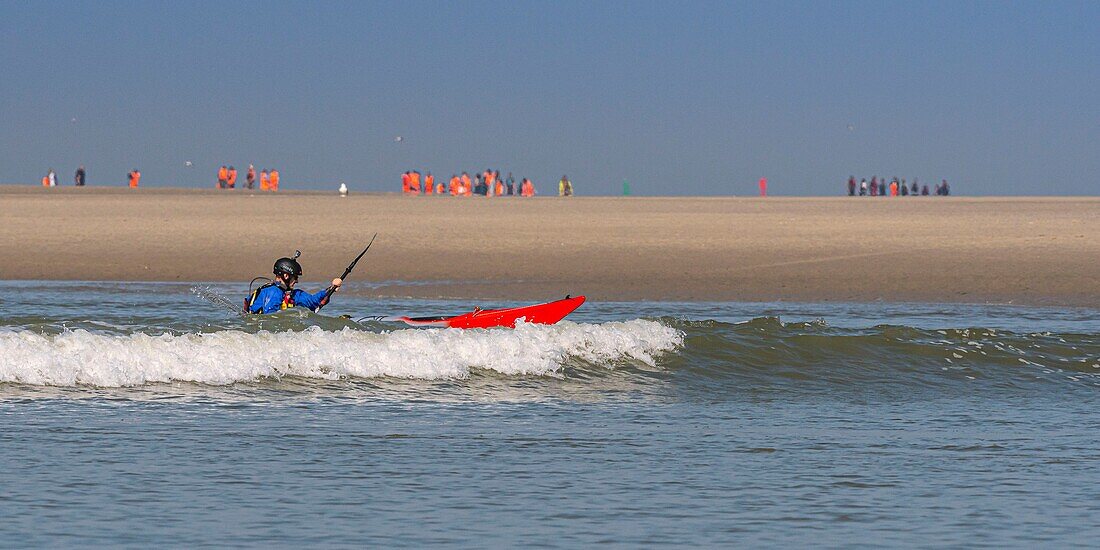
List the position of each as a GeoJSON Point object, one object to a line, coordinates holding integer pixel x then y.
{"type": "Point", "coordinates": [84, 358]}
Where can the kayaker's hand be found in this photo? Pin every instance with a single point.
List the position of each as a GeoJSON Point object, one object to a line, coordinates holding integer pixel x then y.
{"type": "Point", "coordinates": [337, 282]}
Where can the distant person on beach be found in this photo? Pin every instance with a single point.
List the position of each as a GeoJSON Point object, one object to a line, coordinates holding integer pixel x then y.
{"type": "Point", "coordinates": [467, 185]}
{"type": "Point", "coordinates": [78, 179]}
{"type": "Point", "coordinates": [914, 190]}
{"type": "Point", "coordinates": [565, 187]}
{"type": "Point", "coordinates": [904, 189]}
{"type": "Point", "coordinates": [405, 179]}
{"type": "Point", "coordinates": [873, 188]}
{"type": "Point", "coordinates": [223, 177]}
{"type": "Point", "coordinates": [862, 186]}
{"type": "Point", "coordinates": [527, 189]}
{"type": "Point", "coordinates": [894, 187]}
{"type": "Point", "coordinates": [763, 187]}
{"type": "Point", "coordinates": [51, 177]}
{"type": "Point", "coordinates": [46, 180]}
{"type": "Point", "coordinates": [265, 180]}
{"type": "Point", "coordinates": [135, 178]}
{"type": "Point", "coordinates": [280, 294]}
{"type": "Point", "coordinates": [944, 189]}
{"type": "Point", "coordinates": [851, 186]}
{"type": "Point", "coordinates": [924, 190]}
{"type": "Point", "coordinates": [882, 188]}
{"type": "Point", "coordinates": [274, 176]}
{"type": "Point", "coordinates": [414, 183]}
{"type": "Point", "coordinates": [250, 177]}
{"type": "Point", "coordinates": [231, 181]}
{"type": "Point", "coordinates": [429, 183]}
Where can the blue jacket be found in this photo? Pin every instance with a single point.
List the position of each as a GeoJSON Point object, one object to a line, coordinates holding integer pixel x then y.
{"type": "Point", "coordinates": [270, 298]}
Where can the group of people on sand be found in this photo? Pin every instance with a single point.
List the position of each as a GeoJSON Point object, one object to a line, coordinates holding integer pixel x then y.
{"type": "Point", "coordinates": [50, 179]}
{"type": "Point", "coordinates": [269, 179]}
{"type": "Point", "coordinates": [80, 178]}
{"type": "Point", "coordinates": [879, 188]}
{"type": "Point", "coordinates": [488, 184]}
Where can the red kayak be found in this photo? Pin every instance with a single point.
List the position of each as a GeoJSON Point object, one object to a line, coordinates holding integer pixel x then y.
{"type": "Point", "coordinates": [543, 314]}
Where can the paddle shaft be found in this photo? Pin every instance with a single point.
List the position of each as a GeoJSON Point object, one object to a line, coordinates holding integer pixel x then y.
{"type": "Point", "coordinates": [351, 266]}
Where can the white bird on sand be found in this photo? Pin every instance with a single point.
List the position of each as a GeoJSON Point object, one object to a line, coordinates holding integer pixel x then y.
{"type": "Point", "coordinates": [343, 190]}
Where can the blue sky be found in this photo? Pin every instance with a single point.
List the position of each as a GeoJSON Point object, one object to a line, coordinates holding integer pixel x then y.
{"type": "Point", "coordinates": [694, 98]}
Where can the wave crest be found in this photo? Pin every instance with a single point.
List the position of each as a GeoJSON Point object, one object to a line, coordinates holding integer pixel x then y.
{"type": "Point", "coordinates": [84, 358]}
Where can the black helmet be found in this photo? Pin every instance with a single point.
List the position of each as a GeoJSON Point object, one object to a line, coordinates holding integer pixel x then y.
{"type": "Point", "coordinates": [289, 266]}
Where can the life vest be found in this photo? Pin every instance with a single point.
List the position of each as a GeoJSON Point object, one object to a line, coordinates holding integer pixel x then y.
{"type": "Point", "coordinates": [429, 184]}
{"type": "Point", "coordinates": [265, 180]}
{"type": "Point", "coordinates": [274, 180]}
{"type": "Point", "coordinates": [223, 174]}
{"type": "Point", "coordinates": [288, 298]}
{"type": "Point", "coordinates": [45, 181]}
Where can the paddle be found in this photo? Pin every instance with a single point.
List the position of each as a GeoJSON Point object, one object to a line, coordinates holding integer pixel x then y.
{"type": "Point", "coordinates": [351, 266]}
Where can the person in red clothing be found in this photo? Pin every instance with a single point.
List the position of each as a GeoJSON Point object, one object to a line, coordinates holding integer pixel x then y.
{"type": "Point", "coordinates": [405, 179]}
{"type": "Point", "coordinates": [763, 187]}
{"type": "Point", "coordinates": [429, 184]}
{"type": "Point", "coordinates": [135, 178]}
{"type": "Point", "coordinates": [232, 179]}
{"type": "Point", "coordinates": [414, 183]}
{"type": "Point", "coordinates": [274, 179]}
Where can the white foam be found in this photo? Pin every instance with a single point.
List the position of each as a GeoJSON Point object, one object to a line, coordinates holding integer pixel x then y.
{"type": "Point", "coordinates": [83, 358]}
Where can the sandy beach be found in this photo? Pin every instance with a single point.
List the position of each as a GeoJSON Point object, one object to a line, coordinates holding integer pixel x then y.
{"type": "Point", "coordinates": [931, 249]}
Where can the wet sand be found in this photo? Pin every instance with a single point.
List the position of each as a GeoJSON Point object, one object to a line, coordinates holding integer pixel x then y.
{"type": "Point", "coordinates": [1038, 251]}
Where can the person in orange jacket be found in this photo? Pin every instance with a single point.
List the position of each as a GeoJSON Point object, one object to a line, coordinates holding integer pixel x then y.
{"type": "Point", "coordinates": [274, 180]}
{"type": "Point", "coordinates": [414, 183]}
{"type": "Point", "coordinates": [250, 177]}
{"type": "Point", "coordinates": [232, 179]}
{"type": "Point", "coordinates": [466, 189]}
{"type": "Point", "coordinates": [894, 188]}
{"type": "Point", "coordinates": [526, 189]}
{"type": "Point", "coordinates": [223, 177]}
{"type": "Point", "coordinates": [488, 175]}
{"type": "Point", "coordinates": [429, 183]}
{"type": "Point", "coordinates": [265, 180]}
{"type": "Point", "coordinates": [452, 186]}
{"type": "Point", "coordinates": [135, 178]}
{"type": "Point", "coordinates": [405, 179]}
{"type": "Point", "coordinates": [499, 183]}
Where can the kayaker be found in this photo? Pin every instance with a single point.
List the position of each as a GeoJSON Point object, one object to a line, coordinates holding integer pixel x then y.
{"type": "Point", "coordinates": [280, 294]}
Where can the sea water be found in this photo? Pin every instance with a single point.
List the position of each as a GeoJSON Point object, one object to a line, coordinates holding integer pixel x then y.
{"type": "Point", "coordinates": [151, 414]}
